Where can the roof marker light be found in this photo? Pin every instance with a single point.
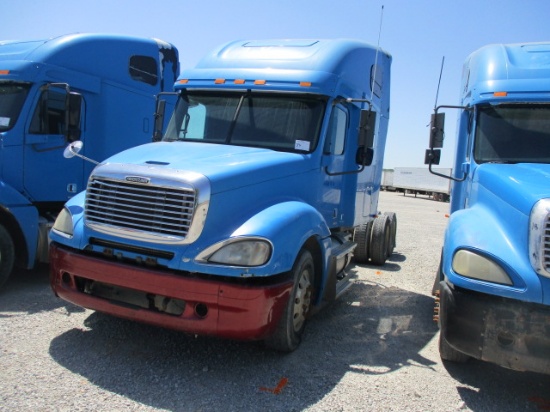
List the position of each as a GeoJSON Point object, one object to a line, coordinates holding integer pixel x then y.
{"type": "Point", "coordinates": [500, 94]}
{"type": "Point", "coordinates": [219, 81]}
{"type": "Point", "coordinates": [184, 81]}
{"type": "Point", "coordinates": [3, 72]}
{"type": "Point", "coordinates": [239, 81]}
{"type": "Point", "coordinates": [305, 84]}
{"type": "Point", "coordinates": [260, 82]}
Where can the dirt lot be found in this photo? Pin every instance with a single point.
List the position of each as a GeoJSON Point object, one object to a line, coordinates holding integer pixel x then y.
{"type": "Point", "coordinates": [373, 350]}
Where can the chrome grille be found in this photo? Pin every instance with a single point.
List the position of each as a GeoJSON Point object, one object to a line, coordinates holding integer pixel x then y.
{"type": "Point", "coordinates": [539, 237]}
{"type": "Point", "coordinates": [546, 244]}
{"type": "Point", "coordinates": [160, 210]}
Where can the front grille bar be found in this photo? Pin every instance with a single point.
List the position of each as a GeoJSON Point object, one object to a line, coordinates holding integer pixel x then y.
{"type": "Point", "coordinates": [148, 208]}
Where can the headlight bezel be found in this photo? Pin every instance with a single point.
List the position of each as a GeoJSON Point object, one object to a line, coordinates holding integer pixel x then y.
{"type": "Point", "coordinates": [473, 265]}
{"type": "Point", "coordinates": [64, 225]}
{"type": "Point", "coordinates": [238, 252]}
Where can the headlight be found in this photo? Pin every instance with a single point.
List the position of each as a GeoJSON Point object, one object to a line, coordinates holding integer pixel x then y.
{"type": "Point", "coordinates": [64, 223]}
{"type": "Point", "coordinates": [472, 265]}
{"type": "Point", "coordinates": [247, 252]}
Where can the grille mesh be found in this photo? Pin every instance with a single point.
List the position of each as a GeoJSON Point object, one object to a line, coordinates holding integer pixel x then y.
{"type": "Point", "coordinates": [154, 209]}
{"type": "Point", "coordinates": [546, 244]}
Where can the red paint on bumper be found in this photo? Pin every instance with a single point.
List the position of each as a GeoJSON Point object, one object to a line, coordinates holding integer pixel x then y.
{"type": "Point", "coordinates": [234, 311]}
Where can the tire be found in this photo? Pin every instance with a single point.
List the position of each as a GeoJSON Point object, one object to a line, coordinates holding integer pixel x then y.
{"type": "Point", "coordinates": [393, 232]}
{"type": "Point", "coordinates": [446, 351]}
{"type": "Point", "coordinates": [361, 236]}
{"type": "Point", "coordinates": [380, 239]}
{"type": "Point", "coordinates": [288, 335]}
{"type": "Point", "coordinates": [7, 255]}
{"type": "Point", "coordinates": [450, 354]}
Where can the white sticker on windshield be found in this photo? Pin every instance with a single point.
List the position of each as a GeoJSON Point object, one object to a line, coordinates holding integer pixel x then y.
{"type": "Point", "coordinates": [4, 121]}
{"type": "Point", "coordinates": [301, 145]}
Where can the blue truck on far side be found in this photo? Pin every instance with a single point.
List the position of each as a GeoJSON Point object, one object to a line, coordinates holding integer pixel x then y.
{"type": "Point", "coordinates": [493, 285]}
{"type": "Point", "coordinates": [95, 88]}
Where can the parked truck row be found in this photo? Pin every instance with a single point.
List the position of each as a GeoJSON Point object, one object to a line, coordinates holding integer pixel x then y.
{"type": "Point", "coordinates": [418, 181]}
{"type": "Point", "coordinates": [242, 216]}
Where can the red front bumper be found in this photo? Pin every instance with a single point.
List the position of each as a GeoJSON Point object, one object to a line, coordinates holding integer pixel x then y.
{"type": "Point", "coordinates": [227, 310]}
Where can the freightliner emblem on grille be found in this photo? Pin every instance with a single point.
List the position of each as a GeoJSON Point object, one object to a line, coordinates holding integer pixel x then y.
{"type": "Point", "coordinates": [137, 179]}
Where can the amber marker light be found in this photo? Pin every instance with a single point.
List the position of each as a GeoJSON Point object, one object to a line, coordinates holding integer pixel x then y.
{"type": "Point", "coordinates": [219, 81]}
{"type": "Point", "coordinates": [260, 82]}
{"type": "Point", "coordinates": [305, 84]}
{"type": "Point", "coordinates": [184, 81]}
{"type": "Point", "coordinates": [3, 72]}
{"type": "Point", "coordinates": [239, 81]}
{"type": "Point", "coordinates": [500, 94]}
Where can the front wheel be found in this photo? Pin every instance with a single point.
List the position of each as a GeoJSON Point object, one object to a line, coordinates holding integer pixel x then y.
{"type": "Point", "coordinates": [446, 351]}
{"type": "Point", "coordinates": [288, 335]}
{"type": "Point", "coordinates": [7, 255]}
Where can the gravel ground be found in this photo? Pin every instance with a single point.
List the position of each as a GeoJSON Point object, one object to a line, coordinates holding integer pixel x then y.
{"type": "Point", "coordinates": [373, 350]}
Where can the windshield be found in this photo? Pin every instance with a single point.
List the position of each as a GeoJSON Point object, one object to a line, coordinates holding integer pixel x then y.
{"type": "Point", "coordinates": [513, 133]}
{"type": "Point", "coordinates": [12, 97]}
{"type": "Point", "coordinates": [276, 121]}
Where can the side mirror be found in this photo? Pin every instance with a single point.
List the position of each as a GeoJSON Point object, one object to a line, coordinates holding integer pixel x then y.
{"type": "Point", "coordinates": [364, 156]}
{"type": "Point", "coordinates": [437, 127]}
{"type": "Point", "coordinates": [159, 119]}
{"type": "Point", "coordinates": [73, 150]}
{"type": "Point", "coordinates": [367, 126]}
{"type": "Point", "coordinates": [73, 111]}
{"type": "Point", "coordinates": [432, 157]}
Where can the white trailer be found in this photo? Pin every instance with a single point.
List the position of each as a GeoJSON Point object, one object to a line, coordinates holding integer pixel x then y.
{"type": "Point", "coordinates": [419, 180]}
{"type": "Point", "coordinates": [387, 180]}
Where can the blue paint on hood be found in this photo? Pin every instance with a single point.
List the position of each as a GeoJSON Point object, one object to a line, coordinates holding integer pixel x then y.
{"type": "Point", "coordinates": [227, 167]}
{"type": "Point", "coordinates": [519, 185]}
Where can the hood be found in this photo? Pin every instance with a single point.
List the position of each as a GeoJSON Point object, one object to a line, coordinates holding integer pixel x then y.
{"type": "Point", "coordinates": [520, 185]}
{"type": "Point", "coordinates": [226, 167]}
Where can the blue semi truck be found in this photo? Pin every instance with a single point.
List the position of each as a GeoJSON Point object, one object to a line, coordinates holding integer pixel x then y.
{"type": "Point", "coordinates": [243, 220]}
{"type": "Point", "coordinates": [493, 285]}
{"type": "Point", "coordinates": [95, 88]}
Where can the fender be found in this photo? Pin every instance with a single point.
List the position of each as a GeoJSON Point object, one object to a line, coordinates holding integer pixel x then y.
{"type": "Point", "coordinates": [74, 205]}
{"type": "Point", "coordinates": [479, 230]}
{"type": "Point", "coordinates": [21, 220]}
{"type": "Point", "coordinates": [288, 226]}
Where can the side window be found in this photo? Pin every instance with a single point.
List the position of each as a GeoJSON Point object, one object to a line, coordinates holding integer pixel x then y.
{"type": "Point", "coordinates": [49, 114]}
{"type": "Point", "coordinates": [336, 135]}
{"type": "Point", "coordinates": [194, 123]}
{"type": "Point", "coordinates": [144, 69]}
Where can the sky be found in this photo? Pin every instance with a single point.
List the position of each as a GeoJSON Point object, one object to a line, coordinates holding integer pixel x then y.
{"type": "Point", "coordinates": [417, 33]}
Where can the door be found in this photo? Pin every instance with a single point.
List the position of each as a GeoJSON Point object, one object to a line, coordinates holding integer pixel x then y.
{"type": "Point", "coordinates": [47, 175]}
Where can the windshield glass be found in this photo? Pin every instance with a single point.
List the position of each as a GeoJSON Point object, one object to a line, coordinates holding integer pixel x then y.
{"type": "Point", "coordinates": [513, 133]}
{"type": "Point", "coordinates": [276, 121]}
{"type": "Point", "coordinates": [12, 97]}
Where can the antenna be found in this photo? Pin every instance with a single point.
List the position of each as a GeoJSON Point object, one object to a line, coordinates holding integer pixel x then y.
{"type": "Point", "coordinates": [439, 82]}
{"type": "Point", "coordinates": [376, 56]}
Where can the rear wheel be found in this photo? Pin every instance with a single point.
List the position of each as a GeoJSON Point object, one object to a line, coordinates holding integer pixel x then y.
{"type": "Point", "coordinates": [288, 335]}
{"type": "Point", "coordinates": [361, 236]}
{"type": "Point", "coordinates": [7, 255]}
{"type": "Point", "coordinates": [393, 232]}
{"type": "Point", "coordinates": [380, 240]}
